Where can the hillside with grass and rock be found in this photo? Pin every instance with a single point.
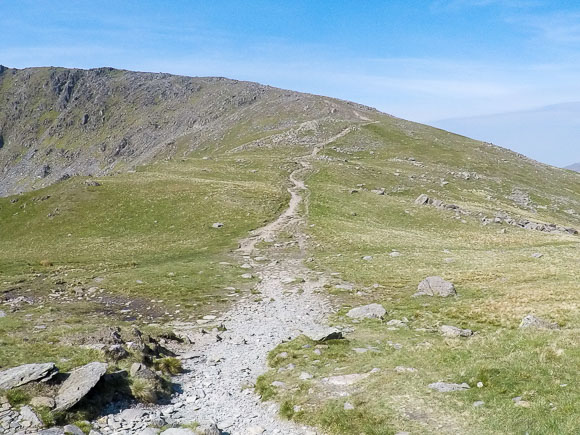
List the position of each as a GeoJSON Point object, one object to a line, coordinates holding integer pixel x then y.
{"type": "Point", "coordinates": [202, 255]}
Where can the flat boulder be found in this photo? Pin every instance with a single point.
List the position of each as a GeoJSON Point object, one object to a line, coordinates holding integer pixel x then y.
{"type": "Point", "coordinates": [21, 375]}
{"type": "Point", "coordinates": [371, 311]}
{"type": "Point", "coordinates": [435, 286]}
{"type": "Point", "coordinates": [79, 383]}
{"type": "Point", "coordinates": [531, 321]}
{"type": "Point", "coordinates": [446, 387]}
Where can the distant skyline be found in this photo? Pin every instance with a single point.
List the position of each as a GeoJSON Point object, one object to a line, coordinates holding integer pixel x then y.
{"type": "Point", "coordinates": [420, 60]}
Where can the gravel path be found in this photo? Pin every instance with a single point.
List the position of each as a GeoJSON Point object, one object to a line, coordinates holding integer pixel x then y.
{"type": "Point", "coordinates": [222, 366]}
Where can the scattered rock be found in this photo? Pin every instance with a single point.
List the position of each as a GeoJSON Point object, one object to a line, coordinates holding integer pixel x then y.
{"type": "Point", "coordinates": [453, 331]}
{"type": "Point", "coordinates": [2, 314]}
{"type": "Point", "coordinates": [435, 286]}
{"type": "Point", "coordinates": [28, 414]}
{"type": "Point", "coordinates": [305, 376]}
{"type": "Point", "coordinates": [478, 403]}
{"type": "Point", "coordinates": [209, 429]}
{"type": "Point", "coordinates": [78, 384]}
{"type": "Point", "coordinates": [217, 225]}
{"type": "Point", "coordinates": [367, 258]}
{"type": "Point", "coordinates": [324, 334]}
{"type": "Point", "coordinates": [347, 379]}
{"type": "Point", "coordinates": [179, 431]}
{"type": "Point", "coordinates": [445, 387]}
{"type": "Point", "coordinates": [422, 199]}
{"type": "Point", "coordinates": [24, 374]}
{"type": "Point", "coordinates": [537, 255]}
{"type": "Point", "coordinates": [39, 401]}
{"type": "Point", "coordinates": [73, 430]}
{"type": "Point", "coordinates": [371, 311]}
{"type": "Point", "coordinates": [531, 321]}
{"type": "Point", "coordinates": [254, 430]}
{"type": "Point", "coordinates": [348, 406]}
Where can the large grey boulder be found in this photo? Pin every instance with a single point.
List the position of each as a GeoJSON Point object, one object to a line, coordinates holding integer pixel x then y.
{"type": "Point", "coordinates": [371, 311]}
{"type": "Point", "coordinates": [531, 321]}
{"type": "Point", "coordinates": [78, 384]}
{"type": "Point", "coordinates": [24, 374]}
{"type": "Point", "coordinates": [435, 286]}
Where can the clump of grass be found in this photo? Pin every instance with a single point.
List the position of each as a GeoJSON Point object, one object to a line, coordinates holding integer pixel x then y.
{"type": "Point", "coordinates": [45, 263]}
{"type": "Point", "coordinates": [264, 389]}
{"type": "Point", "coordinates": [47, 417]}
{"type": "Point", "coordinates": [287, 409]}
{"type": "Point", "coordinates": [17, 397]}
{"type": "Point", "coordinates": [169, 365]}
{"type": "Point", "coordinates": [144, 390]}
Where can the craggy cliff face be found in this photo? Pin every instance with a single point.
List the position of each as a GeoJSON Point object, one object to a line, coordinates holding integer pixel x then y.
{"type": "Point", "coordinates": [56, 122]}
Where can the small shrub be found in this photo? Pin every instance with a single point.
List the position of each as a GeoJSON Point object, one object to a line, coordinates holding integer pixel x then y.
{"type": "Point", "coordinates": [45, 263]}
{"type": "Point", "coordinates": [170, 365]}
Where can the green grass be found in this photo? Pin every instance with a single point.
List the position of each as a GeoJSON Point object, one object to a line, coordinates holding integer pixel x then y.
{"type": "Point", "coordinates": [144, 240]}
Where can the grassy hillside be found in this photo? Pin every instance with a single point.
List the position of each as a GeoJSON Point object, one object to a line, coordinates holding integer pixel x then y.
{"type": "Point", "coordinates": [497, 279]}
{"type": "Point", "coordinates": [137, 247]}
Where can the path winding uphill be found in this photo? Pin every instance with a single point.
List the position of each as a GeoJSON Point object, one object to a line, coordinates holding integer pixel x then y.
{"type": "Point", "coordinates": [222, 366]}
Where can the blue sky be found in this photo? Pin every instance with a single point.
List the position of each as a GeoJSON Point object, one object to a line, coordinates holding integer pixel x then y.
{"type": "Point", "coordinates": [421, 60]}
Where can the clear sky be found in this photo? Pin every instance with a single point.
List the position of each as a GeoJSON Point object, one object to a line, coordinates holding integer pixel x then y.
{"type": "Point", "coordinates": [421, 60]}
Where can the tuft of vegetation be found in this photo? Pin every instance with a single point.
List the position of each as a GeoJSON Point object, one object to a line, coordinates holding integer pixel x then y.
{"type": "Point", "coordinates": [144, 390]}
{"type": "Point", "coordinates": [17, 397]}
{"type": "Point", "coordinates": [169, 365]}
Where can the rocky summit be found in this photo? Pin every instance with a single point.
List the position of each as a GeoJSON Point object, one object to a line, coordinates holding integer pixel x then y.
{"type": "Point", "coordinates": [200, 255]}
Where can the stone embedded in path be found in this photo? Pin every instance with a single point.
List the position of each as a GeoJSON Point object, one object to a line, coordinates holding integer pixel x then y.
{"type": "Point", "coordinates": [371, 311]}
{"type": "Point", "coordinates": [531, 321]}
{"type": "Point", "coordinates": [21, 375]}
{"type": "Point", "coordinates": [178, 431]}
{"type": "Point", "coordinates": [254, 430]}
{"type": "Point", "coordinates": [78, 384]}
{"type": "Point", "coordinates": [435, 286]}
{"type": "Point", "coordinates": [445, 387]}
{"type": "Point", "coordinates": [454, 331]}
{"type": "Point", "coordinates": [324, 334]}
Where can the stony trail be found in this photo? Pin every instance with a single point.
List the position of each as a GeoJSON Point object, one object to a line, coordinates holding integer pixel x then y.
{"type": "Point", "coordinates": [221, 366]}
